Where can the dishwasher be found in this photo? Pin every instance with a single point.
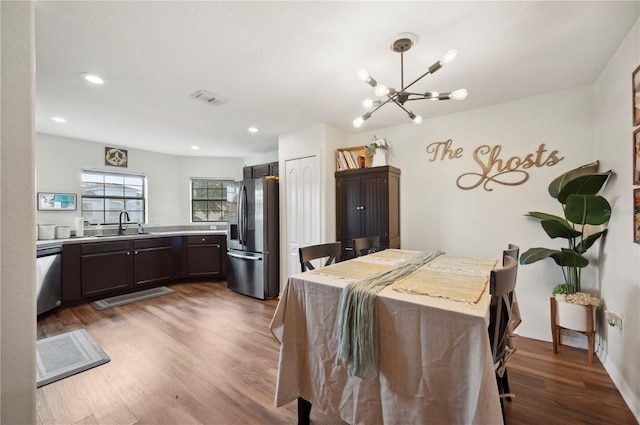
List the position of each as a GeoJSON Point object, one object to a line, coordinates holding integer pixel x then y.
{"type": "Point", "coordinates": [48, 277]}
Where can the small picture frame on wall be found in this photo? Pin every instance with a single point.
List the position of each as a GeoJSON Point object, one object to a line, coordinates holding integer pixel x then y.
{"type": "Point", "coordinates": [636, 215]}
{"type": "Point", "coordinates": [56, 201]}
{"type": "Point", "coordinates": [635, 78]}
{"type": "Point", "coordinates": [116, 157]}
{"type": "Point", "coordinates": [636, 157]}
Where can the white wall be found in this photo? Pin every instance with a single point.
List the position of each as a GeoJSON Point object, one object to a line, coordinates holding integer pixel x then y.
{"type": "Point", "coordinates": [60, 160]}
{"type": "Point", "coordinates": [436, 214]}
{"type": "Point", "coordinates": [262, 158]}
{"type": "Point", "coordinates": [620, 268]}
{"type": "Point", "coordinates": [17, 216]}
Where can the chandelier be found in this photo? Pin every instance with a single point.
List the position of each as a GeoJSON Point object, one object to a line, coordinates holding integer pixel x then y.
{"type": "Point", "coordinates": [401, 44]}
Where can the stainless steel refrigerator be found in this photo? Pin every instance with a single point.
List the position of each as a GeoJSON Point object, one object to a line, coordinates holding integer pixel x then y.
{"type": "Point", "coordinates": [253, 238]}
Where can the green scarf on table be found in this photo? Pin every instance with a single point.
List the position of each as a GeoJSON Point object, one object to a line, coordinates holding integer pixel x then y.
{"type": "Point", "coordinates": [356, 315]}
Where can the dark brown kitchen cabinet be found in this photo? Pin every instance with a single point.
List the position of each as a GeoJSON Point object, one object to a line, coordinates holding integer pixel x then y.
{"type": "Point", "coordinates": [152, 261]}
{"type": "Point", "coordinates": [105, 267]}
{"type": "Point", "coordinates": [368, 204]}
{"type": "Point", "coordinates": [261, 170]}
{"type": "Point", "coordinates": [206, 255]}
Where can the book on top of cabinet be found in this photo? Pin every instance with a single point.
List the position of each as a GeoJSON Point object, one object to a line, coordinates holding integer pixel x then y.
{"type": "Point", "coordinates": [352, 158]}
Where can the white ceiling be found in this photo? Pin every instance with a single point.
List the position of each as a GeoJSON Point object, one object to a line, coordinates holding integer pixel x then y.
{"type": "Point", "coordinates": [288, 65]}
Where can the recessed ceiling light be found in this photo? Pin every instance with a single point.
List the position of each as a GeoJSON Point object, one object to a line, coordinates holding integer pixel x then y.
{"type": "Point", "coordinates": [58, 119]}
{"type": "Point", "coordinates": [253, 130]}
{"type": "Point", "coordinates": [92, 78]}
{"type": "Point", "coordinates": [195, 148]}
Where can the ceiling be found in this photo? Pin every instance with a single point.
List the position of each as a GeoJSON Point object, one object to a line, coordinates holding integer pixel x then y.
{"type": "Point", "coordinates": [284, 66]}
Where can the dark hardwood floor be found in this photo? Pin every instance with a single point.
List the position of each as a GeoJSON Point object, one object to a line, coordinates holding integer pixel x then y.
{"type": "Point", "coordinates": [205, 355]}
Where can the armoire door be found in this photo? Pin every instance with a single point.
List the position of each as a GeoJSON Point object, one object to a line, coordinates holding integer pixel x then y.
{"type": "Point", "coordinates": [349, 213]}
{"type": "Point", "coordinates": [302, 206]}
{"type": "Point", "coordinates": [375, 203]}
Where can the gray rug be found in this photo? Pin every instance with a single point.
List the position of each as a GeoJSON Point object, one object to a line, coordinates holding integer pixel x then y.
{"type": "Point", "coordinates": [131, 298]}
{"type": "Point", "coordinates": [63, 355]}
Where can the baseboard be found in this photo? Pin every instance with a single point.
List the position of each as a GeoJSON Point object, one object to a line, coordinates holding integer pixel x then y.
{"type": "Point", "coordinates": [623, 387]}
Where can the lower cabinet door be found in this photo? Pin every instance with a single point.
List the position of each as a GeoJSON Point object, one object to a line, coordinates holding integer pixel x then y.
{"type": "Point", "coordinates": [151, 265]}
{"type": "Point", "coordinates": [204, 259]}
{"type": "Point", "coordinates": [105, 272]}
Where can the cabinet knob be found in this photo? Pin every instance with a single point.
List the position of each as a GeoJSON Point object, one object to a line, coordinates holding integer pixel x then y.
{"type": "Point", "coordinates": [128, 252]}
{"type": "Point", "coordinates": [204, 239]}
{"type": "Point", "coordinates": [136, 252]}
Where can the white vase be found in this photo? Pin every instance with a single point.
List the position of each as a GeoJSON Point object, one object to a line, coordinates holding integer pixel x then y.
{"type": "Point", "coordinates": [572, 316]}
{"type": "Point", "coordinates": [379, 158]}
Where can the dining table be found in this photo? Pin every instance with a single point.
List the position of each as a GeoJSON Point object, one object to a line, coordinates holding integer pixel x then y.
{"type": "Point", "coordinates": [431, 349]}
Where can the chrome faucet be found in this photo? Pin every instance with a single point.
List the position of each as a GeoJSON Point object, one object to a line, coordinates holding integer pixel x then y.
{"type": "Point", "coordinates": [120, 229]}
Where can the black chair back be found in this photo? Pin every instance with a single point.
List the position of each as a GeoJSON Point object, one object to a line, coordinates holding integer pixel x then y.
{"type": "Point", "coordinates": [501, 286]}
{"type": "Point", "coordinates": [331, 251]}
{"type": "Point", "coordinates": [368, 244]}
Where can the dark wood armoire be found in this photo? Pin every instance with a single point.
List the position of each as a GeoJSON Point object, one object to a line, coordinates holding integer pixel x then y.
{"type": "Point", "coordinates": [368, 204]}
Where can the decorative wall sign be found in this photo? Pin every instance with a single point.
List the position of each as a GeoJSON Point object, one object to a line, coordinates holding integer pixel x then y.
{"type": "Point", "coordinates": [494, 168]}
{"type": "Point", "coordinates": [635, 79]}
{"type": "Point", "coordinates": [636, 215]}
{"type": "Point", "coordinates": [56, 201]}
{"type": "Point", "coordinates": [636, 157]}
{"type": "Point", "coordinates": [116, 157]}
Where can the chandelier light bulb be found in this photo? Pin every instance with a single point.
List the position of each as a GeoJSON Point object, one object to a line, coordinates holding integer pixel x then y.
{"type": "Point", "coordinates": [434, 95]}
{"type": "Point", "coordinates": [381, 90]}
{"type": "Point", "coordinates": [460, 94]}
{"type": "Point", "coordinates": [363, 75]}
{"type": "Point", "coordinates": [357, 123]}
{"type": "Point", "coordinates": [451, 55]}
{"type": "Point", "coordinates": [417, 119]}
{"type": "Point", "coordinates": [367, 103]}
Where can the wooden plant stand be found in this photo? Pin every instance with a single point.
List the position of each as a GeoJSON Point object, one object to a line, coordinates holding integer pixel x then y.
{"type": "Point", "coordinates": [589, 332]}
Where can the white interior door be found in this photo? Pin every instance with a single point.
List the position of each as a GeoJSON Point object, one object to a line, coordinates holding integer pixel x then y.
{"type": "Point", "coordinates": [302, 198]}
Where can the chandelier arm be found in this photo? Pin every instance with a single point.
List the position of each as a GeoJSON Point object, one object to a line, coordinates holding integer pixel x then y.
{"type": "Point", "coordinates": [382, 104]}
{"type": "Point", "coordinates": [400, 105]}
{"type": "Point", "coordinates": [417, 79]}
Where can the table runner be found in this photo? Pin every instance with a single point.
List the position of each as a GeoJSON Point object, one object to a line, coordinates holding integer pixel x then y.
{"type": "Point", "coordinates": [356, 314]}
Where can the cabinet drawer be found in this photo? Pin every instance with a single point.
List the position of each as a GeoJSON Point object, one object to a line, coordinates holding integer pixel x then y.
{"type": "Point", "coordinates": [101, 247]}
{"type": "Point", "coordinates": [204, 239]}
{"type": "Point", "coordinates": [152, 243]}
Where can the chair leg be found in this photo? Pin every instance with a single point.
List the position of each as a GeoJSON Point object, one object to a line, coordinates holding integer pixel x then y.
{"type": "Point", "coordinates": [505, 384]}
{"type": "Point", "coordinates": [555, 331]}
{"type": "Point", "coordinates": [304, 411]}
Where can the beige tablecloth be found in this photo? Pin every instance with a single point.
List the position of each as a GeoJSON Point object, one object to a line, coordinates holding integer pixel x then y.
{"type": "Point", "coordinates": [433, 353]}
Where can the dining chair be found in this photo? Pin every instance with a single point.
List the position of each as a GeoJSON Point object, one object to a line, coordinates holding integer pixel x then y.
{"type": "Point", "coordinates": [330, 250]}
{"type": "Point", "coordinates": [501, 287]}
{"type": "Point", "coordinates": [514, 252]}
{"type": "Point", "coordinates": [368, 244]}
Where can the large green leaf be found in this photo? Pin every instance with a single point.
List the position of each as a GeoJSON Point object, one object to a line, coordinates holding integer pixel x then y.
{"type": "Point", "coordinates": [587, 209]}
{"type": "Point", "coordinates": [559, 182]}
{"type": "Point", "coordinates": [565, 257]}
{"type": "Point", "coordinates": [583, 246]}
{"type": "Point", "coordinates": [544, 216]}
{"type": "Point", "coordinates": [536, 254]}
{"type": "Point", "coordinates": [571, 258]}
{"type": "Point", "coordinates": [559, 229]}
{"type": "Point", "coordinates": [584, 185]}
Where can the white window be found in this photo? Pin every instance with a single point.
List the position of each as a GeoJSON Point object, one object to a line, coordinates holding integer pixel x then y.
{"type": "Point", "coordinates": [105, 195]}
{"type": "Point", "coordinates": [209, 200]}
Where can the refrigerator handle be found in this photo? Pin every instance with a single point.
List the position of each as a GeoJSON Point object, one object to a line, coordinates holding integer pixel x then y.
{"type": "Point", "coordinates": [244, 257]}
{"type": "Point", "coordinates": [241, 213]}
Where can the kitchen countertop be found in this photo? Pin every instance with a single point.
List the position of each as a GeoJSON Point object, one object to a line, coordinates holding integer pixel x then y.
{"type": "Point", "coordinates": [105, 238]}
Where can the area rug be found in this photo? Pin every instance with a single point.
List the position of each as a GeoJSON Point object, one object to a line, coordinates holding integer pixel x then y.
{"type": "Point", "coordinates": [134, 297]}
{"type": "Point", "coordinates": [63, 355]}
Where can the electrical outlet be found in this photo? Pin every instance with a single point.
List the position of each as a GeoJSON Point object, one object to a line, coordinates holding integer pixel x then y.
{"type": "Point", "coordinates": [614, 319]}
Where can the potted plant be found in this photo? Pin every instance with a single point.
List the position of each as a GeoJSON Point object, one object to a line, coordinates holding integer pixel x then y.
{"type": "Point", "coordinates": [577, 192]}
{"type": "Point", "coordinates": [377, 150]}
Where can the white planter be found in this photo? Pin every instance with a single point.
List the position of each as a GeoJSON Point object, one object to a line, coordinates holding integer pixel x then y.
{"type": "Point", "coordinates": [379, 158]}
{"type": "Point", "coordinates": [573, 316]}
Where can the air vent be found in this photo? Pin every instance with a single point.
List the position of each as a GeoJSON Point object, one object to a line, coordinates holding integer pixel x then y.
{"type": "Point", "coordinates": [208, 97]}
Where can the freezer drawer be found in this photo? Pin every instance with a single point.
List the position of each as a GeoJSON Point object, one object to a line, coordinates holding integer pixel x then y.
{"type": "Point", "coordinates": [248, 274]}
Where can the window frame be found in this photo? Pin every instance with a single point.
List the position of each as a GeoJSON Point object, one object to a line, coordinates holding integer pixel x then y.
{"type": "Point", "coordinates": [106, 198]}
{"type": "Point", "coordinates": [222, 199]}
